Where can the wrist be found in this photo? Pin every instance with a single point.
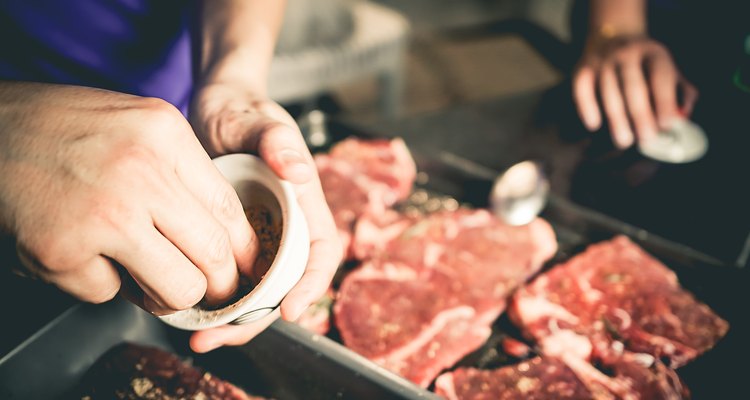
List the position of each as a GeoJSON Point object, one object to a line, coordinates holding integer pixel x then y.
{"type": "Point", "coordinates": [238, 67]}
{"type": "Point", "coordinates": [607, 35]}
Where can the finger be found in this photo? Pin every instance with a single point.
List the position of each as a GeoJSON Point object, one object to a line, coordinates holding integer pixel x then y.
{"type": "Point", "coordinates": [96, 281]}
{"type": "Point", "coordinates": [614, 107]}
{"type": "Point", "coordinates": [663, 82]}
{"type": "Point", "coordinates": [232, 335]}
{"type": "Point", "coordinates": [281, 146]}
{"type": "Point", "coordinates": [206, 184]}
{"type": "Point", "coordinates": [584, 94]}
{"type": "Point", "coordinates": [325, 251]}
{"type": "Point", "coordinates": [637, 100]}
{"type": "Point", "coordinates": [689, 97]}
{"type": "Point", "coordinates": [200, 237]}
{"type": "Point", "coordinates": [321, 267]}
{"type": "Point", "coordinates": [160, 269]}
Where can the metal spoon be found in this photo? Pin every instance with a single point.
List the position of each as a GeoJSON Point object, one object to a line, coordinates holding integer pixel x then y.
{"type": "Point", "coordinates": [520, 193]}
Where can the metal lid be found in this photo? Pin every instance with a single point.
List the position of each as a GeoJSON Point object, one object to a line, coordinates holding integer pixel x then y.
{"type": "Point", "coordinates": [684, 142]}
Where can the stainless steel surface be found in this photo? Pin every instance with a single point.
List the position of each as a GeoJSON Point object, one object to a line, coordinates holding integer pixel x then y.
{"type": "Point", "coordinates": [684, 142]}
{"type": "Point", "coordinates": [520, 193]}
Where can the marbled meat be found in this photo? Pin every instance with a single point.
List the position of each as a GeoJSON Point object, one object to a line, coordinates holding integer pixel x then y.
{"type": "Point", "coordinates": [131, 371]}
{"type": "Point", "coordinates": [615, 297]}
{"type": "Point", "coordinates": [633, 377]}
{"type": "Point", "coordinates": [430, 296]}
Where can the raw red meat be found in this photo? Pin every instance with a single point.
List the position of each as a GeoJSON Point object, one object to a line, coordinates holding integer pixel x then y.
{"type": "Point", "coordinates": [373, 232]}
{"type": "Point", "coordinates": [383, 160]}
{"type": "Point", "coordinates": [535, 379]}
{"type": "Point", "coordinates": [439, 285]}
{"type": "Point", "coordinates": [615, 296]}
{"type": "Point", "coordinates": [131, 371]}
{"type": "Point", "coordinates": [632, 377]}
{"type": "Point", "coordinates": [362, 177]}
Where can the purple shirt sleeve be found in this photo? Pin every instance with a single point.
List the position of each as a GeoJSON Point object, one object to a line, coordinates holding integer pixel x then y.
{"type": "Point", "coordinates": [141, 47]}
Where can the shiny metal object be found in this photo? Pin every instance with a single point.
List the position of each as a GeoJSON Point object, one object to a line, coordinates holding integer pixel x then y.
{"type": "Point", "coordinates": [684, 142]}
{"type": "Point", "coordinates": [520, 193]}
{"type": "Point", "coordinates": [314, 130]}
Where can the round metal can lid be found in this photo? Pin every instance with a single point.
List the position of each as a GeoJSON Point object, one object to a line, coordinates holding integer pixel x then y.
{"type": "Point", "coordinates": [684, 142]}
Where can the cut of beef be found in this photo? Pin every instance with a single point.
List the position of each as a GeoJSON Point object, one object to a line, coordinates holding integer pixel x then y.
{"type": "Point", "coordinates": [382, 160]}
{"type": "Point", "coordinates": [362, 177]}
{"type": "Point", "coordinates": [535, 379]}
{"type": "Point", "coordinates": [616, 297]}
{"type": "Point", "coordinates": [438, 285]}
{"type": "Point", "coordinates": [631, 377]}
{"type": "Point", "coordinates": [130, 371]}
{"type": "Point", "coordinates": [373, 232]}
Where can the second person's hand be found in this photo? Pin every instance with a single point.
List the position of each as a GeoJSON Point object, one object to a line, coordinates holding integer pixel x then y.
{"type": "Point", "coordinates": [637, 83]}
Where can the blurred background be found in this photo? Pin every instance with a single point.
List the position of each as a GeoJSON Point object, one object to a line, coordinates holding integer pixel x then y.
{"type": "Point", "coordinates": [423, 55]}
{"type": "Point", "coordinates": [489, 81]}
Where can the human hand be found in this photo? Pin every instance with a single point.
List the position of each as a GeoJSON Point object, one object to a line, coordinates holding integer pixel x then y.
{"type": "Point", "coordinates": [97, 185]}
{"type": "Point", "coordinates": [232, 119]}
{"type": "Point", "coordinates": [638, 84]}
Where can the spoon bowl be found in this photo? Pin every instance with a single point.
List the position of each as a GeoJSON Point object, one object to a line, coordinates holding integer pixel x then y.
{"type": "Point", "coordinates": [520, 193]}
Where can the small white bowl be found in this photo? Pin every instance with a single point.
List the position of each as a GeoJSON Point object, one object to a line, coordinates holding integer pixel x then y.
{"type": "Point", "coordinates": [245, 172]}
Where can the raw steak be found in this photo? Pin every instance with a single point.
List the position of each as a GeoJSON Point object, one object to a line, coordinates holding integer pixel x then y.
{"type": "Point", "coordinates": [535, 379]}
{"type": "Point", "coordinates": [130, 371]}
{"type": "Point", "coordinates": [373, 232]}
{"type": "Point", "coordinates": [634, 376]}
{"type": "Point", "coordinates": [615, 294]}
{"type": "Point", "coordinates": [439, 285]}
{"type": "Point", "coordinates": [364, 177]}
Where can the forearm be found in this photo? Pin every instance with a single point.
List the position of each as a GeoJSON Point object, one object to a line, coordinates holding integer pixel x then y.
{"type": "Point", "coordinates": [610, 18]}
{"type": "Point", "coordinates": [238, 39]}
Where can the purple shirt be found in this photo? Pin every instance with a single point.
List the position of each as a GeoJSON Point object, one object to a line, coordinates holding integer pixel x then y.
{"type": "Point", "coordinates": [141, 47]}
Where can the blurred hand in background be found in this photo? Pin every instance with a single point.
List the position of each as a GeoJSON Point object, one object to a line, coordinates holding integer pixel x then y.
{"type": "Point", "coordinates": [628, 77]}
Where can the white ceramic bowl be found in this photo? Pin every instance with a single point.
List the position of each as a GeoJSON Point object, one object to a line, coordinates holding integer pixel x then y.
{"type": "Point", "coordinates": [246, 173]}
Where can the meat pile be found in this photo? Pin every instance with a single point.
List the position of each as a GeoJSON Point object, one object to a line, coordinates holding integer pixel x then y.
{"type": "Point", "coordinates": [611, 323]}
{"type": "Point", "coordinates": [613, 306]}
{"type": "Point", "coordinates": [428, 288]}
{"type": "Point", "coordinates": [131, 371]}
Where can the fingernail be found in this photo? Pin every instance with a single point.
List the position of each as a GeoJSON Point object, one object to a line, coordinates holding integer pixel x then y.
{"type": "Point", "coordinates": [296, 167]}
{"type": "Point", "coordinates": [289, 156]}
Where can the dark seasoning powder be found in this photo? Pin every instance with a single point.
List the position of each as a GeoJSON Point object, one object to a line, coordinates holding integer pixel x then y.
{"type": "Point", "coordinates": [268, 231]}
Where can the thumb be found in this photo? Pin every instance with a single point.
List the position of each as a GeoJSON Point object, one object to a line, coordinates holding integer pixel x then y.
{"type": "Point", "coordinates": [283, 149]}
